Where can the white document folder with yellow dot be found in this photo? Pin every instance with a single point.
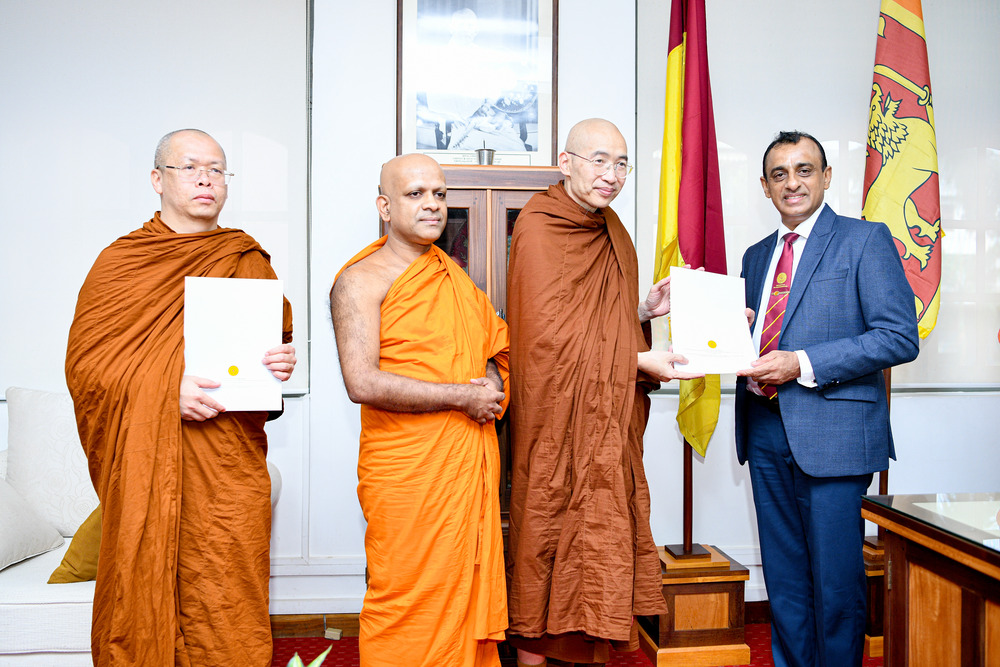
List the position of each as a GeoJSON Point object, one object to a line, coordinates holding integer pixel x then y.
{"type": "Point", "coordinates": [708, 323]}
{"type": "Point", "coordinates": [229, 325]}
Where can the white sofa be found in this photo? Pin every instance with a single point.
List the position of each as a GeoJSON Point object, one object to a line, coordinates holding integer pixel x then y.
{"type": "Point", "coordinates": [45, 493]}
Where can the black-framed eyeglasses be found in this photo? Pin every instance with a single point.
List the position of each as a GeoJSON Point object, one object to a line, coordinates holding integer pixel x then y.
{"type": "Point", "coordinates": [189, 173]}
{"type": "Point", "coordinates": [602, 166]}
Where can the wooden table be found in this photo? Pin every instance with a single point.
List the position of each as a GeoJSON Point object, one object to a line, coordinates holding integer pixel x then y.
{"type": "Point", "coordinates": [942, 578]}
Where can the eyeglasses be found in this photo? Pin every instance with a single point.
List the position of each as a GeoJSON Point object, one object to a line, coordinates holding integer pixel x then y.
{"type": "Point", "coordinates": [602, 166]}
{"type": "Point", "coordinates": [189, 173]}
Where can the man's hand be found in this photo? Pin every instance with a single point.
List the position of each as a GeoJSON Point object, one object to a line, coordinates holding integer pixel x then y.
{"type": "Point", "coordinates": [660, 365]}
{"type": "Point", "coordinates": [481, 401]}
{"type": "Point", "coordinates": [750, 316]}
{"type": "Point", "coordinates": [657, 302]}
{"type": "Point", "coordinates": [280, 361]}
{"type": "Point", "coordinates": [489, 382]}
{"type": "Point", "coordinates": [196, 405]}
{"type": "Point", "coordinates": [774, 368]}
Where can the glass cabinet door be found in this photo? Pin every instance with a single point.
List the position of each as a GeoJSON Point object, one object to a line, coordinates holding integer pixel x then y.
{"type": "Point", "coordinates": [464, 237]}
{"type": "Point", "coordinates": [507, 205]}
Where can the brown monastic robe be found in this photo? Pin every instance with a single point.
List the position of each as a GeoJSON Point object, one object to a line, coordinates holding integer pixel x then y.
{"type": "Point", "coordinates": [582, 557]}
{"type": "Point", "coordinates": [184, 563]}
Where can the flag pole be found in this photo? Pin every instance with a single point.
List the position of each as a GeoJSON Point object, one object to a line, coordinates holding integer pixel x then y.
{"type": "Point", "coordinates": [688, 499]}
{"type": "Point", "coordinates": [690, 228]}
{"type": "Point", "coordinates": [687, 550]}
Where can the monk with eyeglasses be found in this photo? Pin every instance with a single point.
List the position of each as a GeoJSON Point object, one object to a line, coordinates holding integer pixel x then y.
{"type": "Point", "coordinates": [582, 559]}
{"type": "Point", "coordinates": [185, 538]}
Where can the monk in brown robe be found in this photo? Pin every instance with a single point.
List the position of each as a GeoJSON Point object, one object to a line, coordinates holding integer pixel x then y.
{"type": "Point", "coordinates": [583, 561]}
{"type": "Point", "coordinates": [184, 561]}
{"type": "Point", "coordinates": [423, 351]}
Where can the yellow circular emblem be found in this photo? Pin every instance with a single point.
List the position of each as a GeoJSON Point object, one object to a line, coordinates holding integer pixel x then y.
{"type": "Point", "coordinates": [233, 370]}
{"type": "Point", "coordinates": [712, 344]}
{"type": "Point", "coordinates": [781, 278]}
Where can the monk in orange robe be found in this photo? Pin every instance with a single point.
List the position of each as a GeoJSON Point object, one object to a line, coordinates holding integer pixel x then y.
{"type": "Point", "coordinates": [184, 560]}
{"type": "Point", "coordinates": [583, 561]}
{"type": "Point", "coordinates": [423, 351]}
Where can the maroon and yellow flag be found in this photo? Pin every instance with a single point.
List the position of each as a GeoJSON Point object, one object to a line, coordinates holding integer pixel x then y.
{"type": "Point", "coordinates": [690, 217]}
{"type": "Point", "coordinates": [901, 170]}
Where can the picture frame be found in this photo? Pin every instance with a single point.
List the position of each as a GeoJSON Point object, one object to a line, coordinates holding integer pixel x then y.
{"type": "Point", "coordinates": [473, 74]}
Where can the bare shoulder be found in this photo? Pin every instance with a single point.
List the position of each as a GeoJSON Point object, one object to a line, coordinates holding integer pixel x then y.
{"type": "Point", "coordinates": [363, 284]}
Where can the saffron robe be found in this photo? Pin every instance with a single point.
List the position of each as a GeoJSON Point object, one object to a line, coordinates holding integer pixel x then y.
{"type": "Point", "coordinates": [582, 554]}
{"type": "Point", "coordinates": [184, 561]}
{"type": "Point", "coordinates": [429, 482]}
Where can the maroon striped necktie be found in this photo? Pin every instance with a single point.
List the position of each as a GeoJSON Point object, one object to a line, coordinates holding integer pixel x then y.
{"type": "Point", "coordinates": [775, 313]}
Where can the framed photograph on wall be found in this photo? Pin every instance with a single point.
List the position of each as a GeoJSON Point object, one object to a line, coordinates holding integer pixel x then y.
{"type": "Point", "coordinates": [474, 74]}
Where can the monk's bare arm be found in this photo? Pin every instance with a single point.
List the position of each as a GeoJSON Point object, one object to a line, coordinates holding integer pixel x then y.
{"type": "Point", "coordinates": [493, 373]}
{"type": "Point", "coordinates": [355, 304]}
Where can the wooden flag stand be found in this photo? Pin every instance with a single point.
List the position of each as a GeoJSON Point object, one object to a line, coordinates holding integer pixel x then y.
{"type": "Point", "coordinates": [704, 591]}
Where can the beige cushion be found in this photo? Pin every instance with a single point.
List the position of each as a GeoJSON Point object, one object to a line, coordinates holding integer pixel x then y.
{"type": "Point", "coordinates": [45, 462]}
{"type": "Point", "coordinates": [23, 533]}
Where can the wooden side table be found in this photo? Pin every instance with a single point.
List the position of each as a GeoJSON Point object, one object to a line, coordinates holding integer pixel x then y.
{"type": "Point", "coordinates": [942, 578]}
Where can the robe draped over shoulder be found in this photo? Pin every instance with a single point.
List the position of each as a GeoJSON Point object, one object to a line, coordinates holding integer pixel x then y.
{"type": "Point", "coordinates": [429, 482]}
{"type": "Point", "coordinates": [184, 559]}
{"type": "Point", "coordinates": [582, 557]}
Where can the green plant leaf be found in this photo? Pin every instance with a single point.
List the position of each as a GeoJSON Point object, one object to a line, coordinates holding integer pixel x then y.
{"type": "Point", "coordinates": [320, 658]}
{"type": "Point", "coordinates": [296, 661]}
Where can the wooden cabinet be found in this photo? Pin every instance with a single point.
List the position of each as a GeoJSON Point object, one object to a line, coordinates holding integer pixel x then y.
{"type": "Point", "coordinates": [942, 578]}
{"type": "Point", "coordinates": [483, 204]}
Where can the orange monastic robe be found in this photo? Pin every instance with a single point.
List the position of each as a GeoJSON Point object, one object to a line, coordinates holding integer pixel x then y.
{"type": "Point", "coordinates": [429, 482]}
{"type": "Point", "coordinates": [184, 562]}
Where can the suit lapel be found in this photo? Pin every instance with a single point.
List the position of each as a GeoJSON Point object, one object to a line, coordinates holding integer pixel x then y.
{"type": "Point", "coordinates": [816, 245]}
{"type": "Point", "coordinates": [760, 259]}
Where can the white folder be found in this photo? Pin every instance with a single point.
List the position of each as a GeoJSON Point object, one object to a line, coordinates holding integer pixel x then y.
{"type": "Point", "coordinates": [229, 325]}
{"type": "Point", "coordinates": [708, 324]}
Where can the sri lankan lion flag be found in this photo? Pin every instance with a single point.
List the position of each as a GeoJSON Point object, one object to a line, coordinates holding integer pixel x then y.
{"type": "Point", "coordinates": [690, 216]}
{"type": "Point", "coordinates": [901, 170]}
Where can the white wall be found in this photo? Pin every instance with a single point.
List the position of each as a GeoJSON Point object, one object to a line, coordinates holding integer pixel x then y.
{"type": "Point", "coordinates": [770, 69]}
{"type": "Point", "coordinates": [344, 221]}
{"type": "Point", "coordinates": [88, 90]}
{"type": "Point", "coordinates": [808, 66]}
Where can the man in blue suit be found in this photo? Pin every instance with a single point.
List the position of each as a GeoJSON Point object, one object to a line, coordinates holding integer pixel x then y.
{"type": "Point", "coordinates": [812, 416]}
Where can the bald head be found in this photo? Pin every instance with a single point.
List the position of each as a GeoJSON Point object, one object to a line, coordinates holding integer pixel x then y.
{"type": "Point", "coordinates": [412, 200]}
{"type": "Point", "coordinates": [163, 147]}
{"type": "Point", "coordinates": [399, 169]}
{"type": "Point", "coordinates": [587, 131]}
{"type": "Point", "coordinates": [593, 148]}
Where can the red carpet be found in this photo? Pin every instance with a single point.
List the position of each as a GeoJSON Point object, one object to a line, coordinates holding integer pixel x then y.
{"type": "Point", "coordinates": [345, 651]}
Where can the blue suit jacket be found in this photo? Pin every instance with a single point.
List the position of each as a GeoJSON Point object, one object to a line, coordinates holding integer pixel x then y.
{"type": "Point", "coordinates": [852, 311]}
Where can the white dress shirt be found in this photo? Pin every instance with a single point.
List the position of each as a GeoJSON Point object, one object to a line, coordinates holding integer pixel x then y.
{"type": "Point", "coordinates": [804, 229]}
